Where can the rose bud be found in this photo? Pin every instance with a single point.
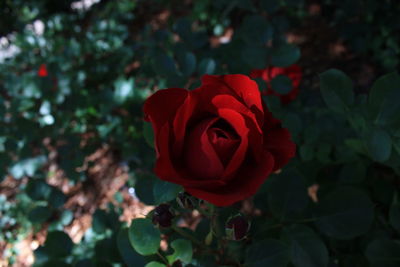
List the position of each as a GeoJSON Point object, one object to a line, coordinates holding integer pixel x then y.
{"type": "Point", "coordinates": [293, 72]}
{"type": "Point", "coordinates": [163, 215]}
{"type": "Point", "coordinates": [177, 263]}
{"type": "Point", "coordinates": [237, 227]}
{"type": "Point", "coordinates": [185, 200]}
{"type": "Point", "coordinates": [219, 141]}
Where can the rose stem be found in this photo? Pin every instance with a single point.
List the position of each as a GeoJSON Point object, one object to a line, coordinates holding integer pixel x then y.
{"type": "Point", "coordinates": [188, 236]}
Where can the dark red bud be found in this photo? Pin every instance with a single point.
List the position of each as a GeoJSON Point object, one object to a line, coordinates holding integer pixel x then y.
{"type": "Point", "coordinates": [177, 263]}
{"type": "Point", "coordinates": [237, 227]}
{"type": "Point", "coordinates": [163, 215]}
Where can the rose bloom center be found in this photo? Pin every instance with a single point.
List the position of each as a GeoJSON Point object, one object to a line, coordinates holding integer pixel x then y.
{"type": "Point", "coordinates": [209, 148]}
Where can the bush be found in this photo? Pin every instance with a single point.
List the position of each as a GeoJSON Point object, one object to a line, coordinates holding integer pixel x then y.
{"type": "Point", "coordinates": [77, 153]}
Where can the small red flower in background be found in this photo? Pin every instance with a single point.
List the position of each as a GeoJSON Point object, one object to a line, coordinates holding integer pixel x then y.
{"type": "Point", "coordinates": [293, 72]}
{"type": "Point", "coordinates": [42, 72]}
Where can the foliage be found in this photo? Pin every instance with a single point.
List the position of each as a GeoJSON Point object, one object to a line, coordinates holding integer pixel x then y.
{"type": "Point", "coordinates": [336, 204]}
{"type": "Point", "coordinates": [361, 23]}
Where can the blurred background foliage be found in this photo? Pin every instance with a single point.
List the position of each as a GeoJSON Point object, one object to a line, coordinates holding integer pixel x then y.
{"type": "Point", "coordinates": [76, 156]}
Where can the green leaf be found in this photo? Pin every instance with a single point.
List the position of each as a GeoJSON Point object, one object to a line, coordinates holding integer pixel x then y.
{"type": "Point", "coordinates": [284, 55]}
{"type": "Point", "coordinates": [176, 80]}
{"type": "Point", "coordinates": [164, 65]}
{"type": "Point", "coordinates": [103, 220]}
{"type": "Point", "coordinates": [255, 29]}
{"type": "Point", "coordinates": [273, 103]}
{"type": "Point", "coordinates": [155, 264]}
{"type": "Point", "coordinates": [287, 195]}
{"type": "Point", "coordinates": [353, 173]}
{"type": "Point", "coordinates": [254, 56]}
{"type": "Point", "coordinates": [58, 244]}
{"type": "Point", "coordinates": [270, 5]}
{"type": "Point", "coordinates": [356, 144]}
{"type": "Point", "coordinates": [306, 152]}
{"type": "Point", "coordinates": [394, 214]}
{"type": "Point", "coordinates": [66, 217]}
{"type": "Point", "coordinates": [143, 185]}
{"type": "Point", "coordinates": [57, 198]}
{"type": "Point", "coordinates": [198, 39]}
{"type": "Point", "coordinates": [262, 86]}
{"type": "Point", "coordinates": [39, 214]}
{"type": "Point", "coordinates": [294, 3]}
{"type": "Point", "coordinates": [41, 256]}
{"type": "Point", "coordinates": [182, 251]}
{"type": "Point", "coordinates": [85, 263]}
{"type": "Point", "coordinates": [281, 84]}
{"type": "Point", "coordinates": [206, 66]}
{"type": "Point", "coordinates": [99, 221]}
{"type": "Point", "coordinates": [268, 252]}
{"type": "Point", "coordinates": [379, 144]}
{"type": "Point", "coordinates": [344, 213]}
{"type": "Point", "coordinates": [383, 104]}
{"type": "Point", "coordinates": [353, 260]}
{"type": "Point", "coordinates": [129, 255]}
{"type": "Point", "coordinates": [106, 250]}
{"type": "Point", "coordinates": [246, 4]}
{"type": "Point", "coordinates": [306, 248]}
{"type": "Point", "coordinates": [2, 107]}
{"type": "Point", "coordinates": [148, 133]}
{"type": "Point", "coordinates": [323, 152]}
{"type": "Point", "coordinates": [58, 263]}
{"type": "Point", "coordinates": [187, 63]}
{"type": "Point", "coordinates": [27, 167]}
{"type": "Point", "coordinates": [183, 27]}
{"type": "Point", "coordinates": [383, 253]}
{"type": "Point", "coordinates": [124, 89]}
{"type": "Point", "coordinates": [165, 191]}
{"type": "Point", "coordinates": [38, 189]}
{"type": "Point", "coordinates": [144, 236]}
{"type": "Point", "coordinates": [293, 123]}
{"type": "Point", "coordinates": [337, 90]}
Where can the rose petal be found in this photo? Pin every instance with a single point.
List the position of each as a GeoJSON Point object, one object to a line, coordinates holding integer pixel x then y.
{"type": "Point", "coordinates": [259, 73]}
{"type": "Point", "coordinates": [224, 143]}
{"type": "Point", "coordinates": [278, 142]}
{"type": "Point", "coordinates": [229, 102]}
{"type": "Point", "coordinates": [255, 133]}
{"type": "Point", "coordinates": [169, 169]}
{"type": "Point", "coordinates": [237, 122]}
{"type": "Point", "coordinates": [245, 184]}
{"type": "Point", "coordinates": [199, 100]}
{"type": "Point", "coordinates": [242, 87]}
{"type": "Point", "coordinates": [162, 106]}
{"type": "Point", "coordinates": [201, 159]}
{"type": "Point", "coordinates": [270, 121]}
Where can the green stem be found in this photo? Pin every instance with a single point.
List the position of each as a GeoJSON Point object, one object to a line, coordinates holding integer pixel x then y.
{"type": "Point", "coordinates": [188, 236]}
{"type": "Point", "coordinates": [214, 222]}
{"type": "Point", "coordinates": [204, 212]}
{"type": "Point", "coordinates": [229, 8]}
{"type": "Point", "coordinates": [163, 258]}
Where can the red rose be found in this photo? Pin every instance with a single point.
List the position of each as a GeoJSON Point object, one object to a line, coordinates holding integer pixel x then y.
{"type": "Point", "coordinates": [293, 72]}
{"type": "Point", "coordinates": [218, 141]}
{"type": "Point", "coordinates": [42, 72]}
